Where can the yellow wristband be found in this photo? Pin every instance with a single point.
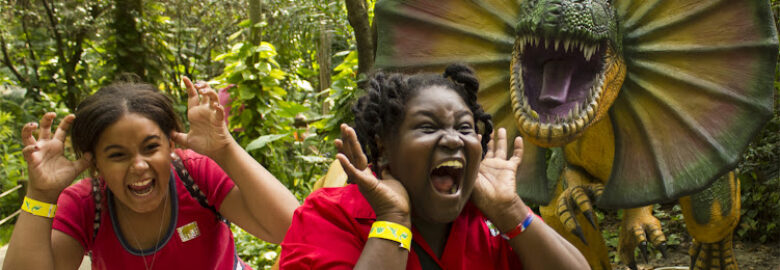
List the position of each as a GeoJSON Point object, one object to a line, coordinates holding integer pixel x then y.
{"type": "Point", "coordinates": [38, 208]}
{"type": "Point", "coordinates": [393, 232]}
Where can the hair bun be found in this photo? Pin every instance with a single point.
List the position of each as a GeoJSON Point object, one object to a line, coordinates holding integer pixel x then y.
{"type": "Point", "coordinates": [464, 75]}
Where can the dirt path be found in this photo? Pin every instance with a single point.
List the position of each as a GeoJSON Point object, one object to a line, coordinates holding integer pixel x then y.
{"type": "Point", "coordinates": [750, 256]}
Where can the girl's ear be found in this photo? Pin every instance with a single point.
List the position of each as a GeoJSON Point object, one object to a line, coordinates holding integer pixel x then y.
{"type": "Point", "coordinates": [380, 146]}
{"type": "Point", "coordinates": [382, 160]}
{"type": "Point", "coordinates": [172, 145]}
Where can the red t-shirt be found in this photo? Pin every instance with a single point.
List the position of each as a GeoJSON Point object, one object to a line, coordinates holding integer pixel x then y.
{"type": "Point", "coordinates": [210, 247]}
{"type": "Point", "coordinates": [330, 229]}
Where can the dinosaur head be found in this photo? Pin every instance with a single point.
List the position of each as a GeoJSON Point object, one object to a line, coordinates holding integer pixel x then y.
{"type": "Point", "coordinates": [567, 68]}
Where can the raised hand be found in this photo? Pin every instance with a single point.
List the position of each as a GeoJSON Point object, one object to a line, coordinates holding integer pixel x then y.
{"type": "Point", "coordinates": [494, 189]}
{"type": "Point", "coordinates": [208, 131]}
{"type": "Point", "coordinates": [387, 196]}
{"type": "Point", "coordinates": [49, 170]}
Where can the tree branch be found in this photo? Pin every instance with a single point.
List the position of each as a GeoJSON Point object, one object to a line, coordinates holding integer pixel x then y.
{"type": "Point", "coordinates": [7, 62]}
{"type": "Point", "coordinates": [53, 27]}
{"type": "Point", "coordinates": [357, 14]}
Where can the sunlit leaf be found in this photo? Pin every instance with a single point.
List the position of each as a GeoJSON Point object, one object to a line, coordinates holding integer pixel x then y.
{"type": "Point", "coordinates": [263, 140]}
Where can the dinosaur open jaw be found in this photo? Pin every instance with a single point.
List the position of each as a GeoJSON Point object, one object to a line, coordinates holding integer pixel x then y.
{"type": "Point", "coordinates": [559, 85]}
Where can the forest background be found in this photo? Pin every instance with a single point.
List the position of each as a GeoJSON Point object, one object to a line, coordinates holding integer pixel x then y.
{"type": "Point", "coordinates": [291, 68]}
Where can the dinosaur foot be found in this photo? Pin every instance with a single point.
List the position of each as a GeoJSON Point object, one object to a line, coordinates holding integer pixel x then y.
{"type": "Point", "coordinates": [718, 255]}
{"type": "Point", "coordinates": [578, 199]}
{"type": "Point", "coordinates": [639, 227]}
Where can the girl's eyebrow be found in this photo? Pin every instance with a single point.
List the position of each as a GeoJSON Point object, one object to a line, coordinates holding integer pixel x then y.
{"type": "Point", "coordinates": [148, 138]}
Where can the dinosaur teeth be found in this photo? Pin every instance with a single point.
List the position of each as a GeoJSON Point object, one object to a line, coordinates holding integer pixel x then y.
{"type": "Point", "coordinates": [591, 111]}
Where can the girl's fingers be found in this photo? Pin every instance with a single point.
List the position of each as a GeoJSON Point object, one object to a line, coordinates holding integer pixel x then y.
{"type": "Point", "coordinates": [27, 152]}
{"type": "Point", "coordinates": [501, 144]}
{"type": "Point", "coordinates": [210, 97]}
{"type": "Point", "coordinates": [368, 183]}
{"type": "Point", "coordinates": [491, 147]}
{"type": "Point", "coordinates": [179, 138]}
{"type": "Point", "coordinates": [357, 152]}
{"type": "Point", "coordinates": [83, 163]}
{"type": "Point", "coordinates": [44, 133]}
{"type": "Point", "coordinates": [220, 112]}
{"type": "Point", "coordinates": [27, 134]}
{"type": "Point", "coordinates": [517, 154]}
{"type": "Point", "coordinates": [62, 128]}
{"type": "Point", "coordinates": [192, 94]}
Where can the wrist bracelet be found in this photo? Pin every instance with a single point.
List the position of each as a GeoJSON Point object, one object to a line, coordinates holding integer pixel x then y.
{"type": "Point", "coordinates": [393, 232]}
{"type": "Point", "coordinates": [520, 227]}
{"type": "Point", "coordinates": [38, 208]}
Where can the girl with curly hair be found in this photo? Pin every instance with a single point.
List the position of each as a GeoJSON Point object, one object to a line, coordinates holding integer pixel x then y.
{"type": "Point", "coordinates": [440, 194]}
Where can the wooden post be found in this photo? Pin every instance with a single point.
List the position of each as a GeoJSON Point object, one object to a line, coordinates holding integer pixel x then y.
{"type": "Point", "coordinates": [324, 60]}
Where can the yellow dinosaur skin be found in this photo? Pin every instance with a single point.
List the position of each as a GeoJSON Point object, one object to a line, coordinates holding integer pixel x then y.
{"type": "Point", "coordinates": [719, 226]}
{"type": "Point", "coordinates": [592, 152]}
{"type": "Point", "coordinates": [596, 251]}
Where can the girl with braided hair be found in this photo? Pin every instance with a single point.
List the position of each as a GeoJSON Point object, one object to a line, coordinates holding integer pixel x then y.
{"type": "Point", "coordinates": [148, 205]}
{"type": "Point", "coordinates": [439, 194]}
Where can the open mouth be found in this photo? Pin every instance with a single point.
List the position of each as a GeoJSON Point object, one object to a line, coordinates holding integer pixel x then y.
{"type": "Point", "coordinates": [560, 76]}
{"type": "Point", "coordinates": [557, 85]}
{"type": "Point", "coordinates": [447, 176]}
{"type": "Point", "coordinates": [142, 188]}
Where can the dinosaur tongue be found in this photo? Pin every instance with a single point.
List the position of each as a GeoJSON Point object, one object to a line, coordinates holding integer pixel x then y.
{"type": "Point", "coordinates": [555, 85]}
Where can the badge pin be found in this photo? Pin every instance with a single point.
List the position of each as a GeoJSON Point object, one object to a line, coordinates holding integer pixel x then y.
{"type": "Point", "coordinates": [189, 231]}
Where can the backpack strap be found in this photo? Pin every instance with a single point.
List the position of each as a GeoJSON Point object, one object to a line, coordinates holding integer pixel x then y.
{"type": "Point", "coordinates": [193, 188]}
{"type": "Point", "coordinates": [97, 197]}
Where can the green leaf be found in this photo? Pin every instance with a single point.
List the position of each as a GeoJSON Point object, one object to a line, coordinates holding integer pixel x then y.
{"type": "Point", "coordinates": [263, 140]}
{"type": "Point", "coordinates": [246, 93]}
{"type": "Point", "coordinates": [290, 109]}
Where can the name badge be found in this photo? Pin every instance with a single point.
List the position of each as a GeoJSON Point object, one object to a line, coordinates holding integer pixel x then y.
{"type": "Point", "coordinates": [189, 231]}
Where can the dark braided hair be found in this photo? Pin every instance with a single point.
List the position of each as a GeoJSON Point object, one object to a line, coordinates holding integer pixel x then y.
{"type": "Point", "coordinates": [381, 110]}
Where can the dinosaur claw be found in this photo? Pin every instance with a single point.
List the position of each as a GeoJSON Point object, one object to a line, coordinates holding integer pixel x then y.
{"type": "Point", "coordinates": [589, 215]}
{"type": "Point", "coordinates": [664, 252]}
{"type": "Point", "coordinates": [632, 265]}
{"type": "Point", "coordinates": [643, 250]}
{"type": "Point", "coordinates": [578, 232]}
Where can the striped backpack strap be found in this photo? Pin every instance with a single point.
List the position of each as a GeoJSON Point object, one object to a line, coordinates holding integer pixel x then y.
{"type": "Point", "coordinates": [193, 188]}
{"type": "Point", "coordinates": [97, 197]}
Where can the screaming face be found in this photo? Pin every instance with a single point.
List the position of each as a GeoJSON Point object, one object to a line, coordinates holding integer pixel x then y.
{"type": "Point", "coordinates": [435, 154]}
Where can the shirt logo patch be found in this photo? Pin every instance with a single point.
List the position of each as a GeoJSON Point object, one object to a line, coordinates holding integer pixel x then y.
{"type": "Point", "coordinates": [189, 231]}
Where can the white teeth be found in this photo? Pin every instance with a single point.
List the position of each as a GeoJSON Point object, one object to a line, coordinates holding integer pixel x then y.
{"type": "Point", "coordinates": [452, 163]}
{"type": "Point", "coordinates": [591, 112]}
{"type": "Point", "coordinates": [142, 183]}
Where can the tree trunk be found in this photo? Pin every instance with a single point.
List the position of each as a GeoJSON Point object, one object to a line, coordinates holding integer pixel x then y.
{"type": "Point", "coordinates": [364, 36]}
{"type": "Point", "coordinates": [323, 59]}
{"type": "Point", "coordinates": [255, 16]}
{"type": "Point", "coordinates": [130, 52]}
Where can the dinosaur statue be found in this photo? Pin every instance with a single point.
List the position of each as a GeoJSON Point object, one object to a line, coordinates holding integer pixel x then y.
{"type": "Point", "coordinates": [623, 104]}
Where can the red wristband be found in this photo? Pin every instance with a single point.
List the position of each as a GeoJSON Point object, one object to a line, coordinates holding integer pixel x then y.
{"type": "Point", "coordinates": [520, 227]}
